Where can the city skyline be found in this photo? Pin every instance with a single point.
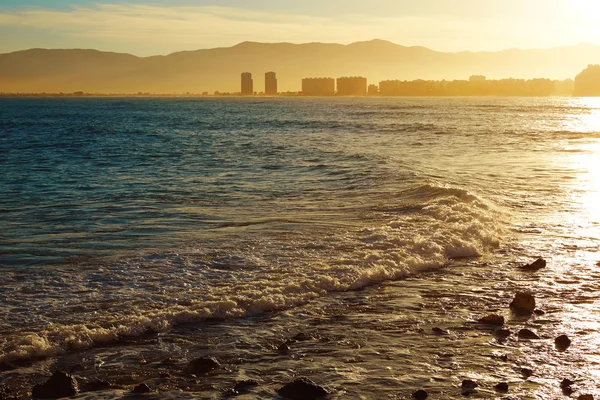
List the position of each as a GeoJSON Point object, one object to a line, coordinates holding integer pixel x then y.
{"type": "Point", "coordinates": [154, 27]}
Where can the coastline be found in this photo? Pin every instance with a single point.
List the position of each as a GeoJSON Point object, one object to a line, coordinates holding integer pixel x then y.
{"type": "Point", "coordinates": [427, 323]}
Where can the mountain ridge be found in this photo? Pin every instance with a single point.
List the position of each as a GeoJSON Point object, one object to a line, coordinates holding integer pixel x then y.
{"type": "Point", "coordinates": [218, 69]}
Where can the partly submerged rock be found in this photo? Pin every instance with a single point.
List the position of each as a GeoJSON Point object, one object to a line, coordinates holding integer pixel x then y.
{"type": "Point", "coordinates": [492, 319]}
{"type": "Point", "coordinates": [562, 342]}
{"type": "Point", "coordinates": [468, 386]}
{"type": "Point", "coordinates": [420, 395]}
{"type": "Point", "coordinates": [585, 397]}
{"type": "Point", "coordinates": [59, 385]}
{"type": "Point", "coordinates": [526, 372]}
{"type": "Point", "coordinates": [503, 333]}
{"type": "Point", "coordinates": [302, 389]}
{"type": "Point", "coordinates": [523, 303]}
{"type": "Point", "coordinates": [527, 334]}
{"type": "Point", "coordinates": [502, 387]}
{"type": "Point", "coordinates": [202, 365]}
{"type": "Point", "coordinates": [141, 389]}
{"type": "Point", "coordinates": [566, 383]}
{"type": "Point", "coordinates": [535, 266]}
{"type": "Point", "coordinates": [283, 348]}
{"type": "Point", "coordinates": [439, 331]}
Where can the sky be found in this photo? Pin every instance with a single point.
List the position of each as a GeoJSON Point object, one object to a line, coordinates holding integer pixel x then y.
{"type": "Point", "coordinates": [153, 27]}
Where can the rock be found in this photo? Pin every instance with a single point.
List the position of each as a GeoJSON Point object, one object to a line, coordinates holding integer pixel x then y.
{"type": "Point", "coordinates": [539, 312]}
{"type": "Point", "coordinates": [586, 397]}
{"type": "Point", "coordinates": [141, 389]}
{"type": "Point", "coordinates": [566, 383]}
{"type": "Point", "coordinates": [502, 387]}
{"type": "Point", "coordinates": [567, 391]}
{"type": "Point", "coordinates": [420, 395]}
{"type": "Point", "coordinates": [95, 386]}
{"type": "Point", "coordinates": [562, 342]}
{"type": "Point", "coordinates": [492, 319]}
{"type": "Point", "coordinates": [535, 266]}
{"type": "Point", "coordinates": [468, 385]}
{"type": "Point", "coordinates": [302, 389]}
{"type": "Point", "coordinates": [245, 386]}
{"type": "Point", "coordinates": [202, 365]}
{"type": "Point", "coordinates": [527, 334]}
{"type": "Point", "coordinates": [526, 372]}
{"type": "Point", "coordinates": [283, 348]}
{"type": "Point", "coordinates": [59, 385]}
{"type": "Point", "coordinates": [302, 337]}
{"type": "Point", "coordinates": [439, 331]}
{"type": "Point", "coordinates": [523, 303]}
{"type": "Point", "coordinates": [503, 333]}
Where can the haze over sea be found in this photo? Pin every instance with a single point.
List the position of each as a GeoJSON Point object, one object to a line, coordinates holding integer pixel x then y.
{"type": "Point", "coordinates": [137, 234]}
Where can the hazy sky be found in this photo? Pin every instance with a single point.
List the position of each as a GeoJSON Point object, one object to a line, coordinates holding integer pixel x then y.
{"type": "Point", "coordinates": [160, 27]}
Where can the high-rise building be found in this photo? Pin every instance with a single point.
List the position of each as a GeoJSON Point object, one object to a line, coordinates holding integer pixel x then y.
{"type": "Point", "coordinates": [247, 84]}
{"type": "Point", "coordinates": [352, 86]}
{"type": "Point", "coordinates": [270, 83]}
{"type": "Point", "coordinates": [318, 86]}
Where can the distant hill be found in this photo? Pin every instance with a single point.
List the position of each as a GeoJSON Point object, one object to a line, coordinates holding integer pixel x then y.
{"type": "Point", "coordinates": [40, 70]}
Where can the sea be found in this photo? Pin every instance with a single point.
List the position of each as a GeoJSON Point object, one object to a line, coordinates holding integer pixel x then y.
{"type": "Point", "coordinates": [351, 241]}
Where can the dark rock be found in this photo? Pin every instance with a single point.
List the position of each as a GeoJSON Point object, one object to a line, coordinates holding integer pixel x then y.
{"type": "Point", "coordinates": [420, 395]}
{"type": "Point", "coordinates": [202, 365]}
{"type": "Point", "coordinates": [526, 372]}
{"type": "Point", "coordinates": [567, 391]}
{"type": "Point", "coordinates": [527, 334]}
{"type": "Point", "coordinates": [59, 385]}
{"type": "Point", "coordinates": [539, 312]}
{"type": "Point", "coordinates": [302, 337]}
{"type": "Point", "coordinates": [283, 348]}
{"type": "Point", "coordinates": [438, 331]}
{"type": "Point", "coordinates": [535, 266]}
{"type": "Point", "coordinates": [492, 319]}
{"type": "Point", "coordinates": [245, 386]}
{"type": "Point", "coordinates": [502, 387]}
{"type": "Point", "coordinates": [562, 342]}
{"type": "Point", "coordinates": [585, 397]}
{"type": "Point", "coordinates": [141, 389]}
{"type": "Point", "coordinates": [302, 389]}
{"type": "Point", "coordinates": [95, 386]}
{"type": "Point", "coordinates": [566, 383]}
{"type": "Point", "coordinates": [468, 384]}
{"type": "Point", "coordinates": [503, 333]}
{"type": "Point", "coordinates": [523, 303]}
{"type": "Point", "coordinates": [504, 357]}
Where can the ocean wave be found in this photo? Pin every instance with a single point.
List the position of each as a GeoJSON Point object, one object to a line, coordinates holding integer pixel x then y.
{"type": "Point", "coordinates": [430, 225]}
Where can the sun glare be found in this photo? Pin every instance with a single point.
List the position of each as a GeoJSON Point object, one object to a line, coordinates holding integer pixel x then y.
{"type": "Point", "coordinates": [586, 9]}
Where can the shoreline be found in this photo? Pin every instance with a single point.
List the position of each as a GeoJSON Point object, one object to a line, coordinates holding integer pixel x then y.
{"type": "Point", "coordinates": [395, 327]}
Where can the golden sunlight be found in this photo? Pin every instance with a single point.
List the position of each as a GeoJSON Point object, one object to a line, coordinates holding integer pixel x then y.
{"type": "Point", "coordinates": [586, 8]}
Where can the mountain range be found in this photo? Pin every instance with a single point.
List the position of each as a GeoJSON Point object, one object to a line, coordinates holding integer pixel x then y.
{"type": "Point", "coordinates": [209, 70]}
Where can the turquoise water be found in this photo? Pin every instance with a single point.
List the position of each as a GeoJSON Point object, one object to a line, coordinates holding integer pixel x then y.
{"type": "Point", "coordinates": [127, 216]}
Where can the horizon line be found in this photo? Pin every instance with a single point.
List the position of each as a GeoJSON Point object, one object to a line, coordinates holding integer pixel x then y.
{"type": "Point", "coordinates": [248, 42]}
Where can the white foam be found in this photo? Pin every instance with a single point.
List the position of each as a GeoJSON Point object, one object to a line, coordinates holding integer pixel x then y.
{"type": "Point", "coordinates": [448, 223]}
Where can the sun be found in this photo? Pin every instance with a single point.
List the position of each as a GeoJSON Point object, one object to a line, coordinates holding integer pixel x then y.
{"type": "Point", "coordinates": [586, 9]}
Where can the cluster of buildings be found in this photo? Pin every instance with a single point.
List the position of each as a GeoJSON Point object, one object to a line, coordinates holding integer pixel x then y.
{"type": "Point", "coordinates": [477, 85]}
{"type": "Point", "coordinates": [248, 84]}
{"type": "Point", "coordinates": [346, 86]}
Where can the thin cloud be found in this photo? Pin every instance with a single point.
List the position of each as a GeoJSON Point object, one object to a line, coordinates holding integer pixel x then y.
{"type": "Point", "coordinates": [188, 27]}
